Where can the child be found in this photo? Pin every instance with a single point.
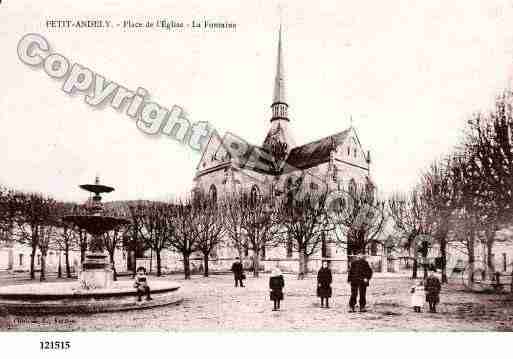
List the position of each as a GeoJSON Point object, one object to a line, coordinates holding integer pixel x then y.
{"type": "Point", "coordinates": [433, 288]}
{"type": "Point", "coordinates": [418, 296]}
{"type": "Point", "coordinates": [324, 279]}
{"type": "Point", "coordinates": [141, 284]}
{"type": "Point", "coordinates": [276, 284]}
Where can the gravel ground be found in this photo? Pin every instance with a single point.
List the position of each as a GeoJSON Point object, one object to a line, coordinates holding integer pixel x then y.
{"type": "Point", "coordinates": [213, 304]}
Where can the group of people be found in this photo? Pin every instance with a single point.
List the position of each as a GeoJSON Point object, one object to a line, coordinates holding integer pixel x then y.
{"type": "Point", "coordinates": [359, 276]}
{"type": "Point", "coordinates": [426, 291]}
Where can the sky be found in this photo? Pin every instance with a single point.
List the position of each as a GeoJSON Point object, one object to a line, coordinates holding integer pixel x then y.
{"type": "Point", "coordinates": [409, 74]}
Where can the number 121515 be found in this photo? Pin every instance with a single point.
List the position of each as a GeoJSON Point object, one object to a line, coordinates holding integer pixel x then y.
{"type": "Point", "coordinates": [54, 345]}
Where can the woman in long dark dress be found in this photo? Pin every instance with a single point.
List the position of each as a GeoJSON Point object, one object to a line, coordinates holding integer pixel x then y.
{"type": "Point", "coordinates": [324, 279]}
{"type": "Point", "coordinates": [276, 284]}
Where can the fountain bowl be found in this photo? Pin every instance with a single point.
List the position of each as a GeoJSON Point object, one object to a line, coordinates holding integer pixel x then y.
{"type": "Point", "coordinates": [68, 297]}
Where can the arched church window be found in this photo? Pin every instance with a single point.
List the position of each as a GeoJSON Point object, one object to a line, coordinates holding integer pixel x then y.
{"type": "Point", "coordinates": [352, 187]}
{"type": "Point", "coordinates": [369, 190]}
{"type": "Point", "coordinates": [354, 150]}
{"type": "Point", "coordinates": [212, 193]}
{"type": "Point", "coordinates": [289, 247]}
{"type": "Point", "coordinates": [348, 150]}
{"type": "Point", "coordinates": [254, 194]}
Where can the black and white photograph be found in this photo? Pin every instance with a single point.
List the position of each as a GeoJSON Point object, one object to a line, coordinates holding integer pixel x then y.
{"type": "Point", "coordinates": [259, 166]}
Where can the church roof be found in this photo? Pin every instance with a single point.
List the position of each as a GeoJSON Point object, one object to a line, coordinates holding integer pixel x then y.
{"type": "Point", "coordinates": [317, 152]}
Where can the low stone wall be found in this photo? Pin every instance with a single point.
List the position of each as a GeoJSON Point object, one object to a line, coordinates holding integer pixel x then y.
{"type": "Point", "coordinates": [289, 265]}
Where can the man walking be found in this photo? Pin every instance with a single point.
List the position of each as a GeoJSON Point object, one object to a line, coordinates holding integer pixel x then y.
{"type": "Point", "coordinates": [238, 272]}
{"type": "Point", "coordinates": [359, 275]}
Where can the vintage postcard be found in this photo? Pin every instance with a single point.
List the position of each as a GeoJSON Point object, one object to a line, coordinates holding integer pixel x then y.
{"type": "Point", "coordinates": [281, 166]}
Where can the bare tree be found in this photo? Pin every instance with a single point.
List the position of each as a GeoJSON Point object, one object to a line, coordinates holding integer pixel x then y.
{"type": "Point", "coordinates": [210, 226]}
{"type": "Point", "coordinates": [152, 222]}
{"type": "Point", "coordinates": [67, 237]}
{"type": "Point", "coordinates": [411, 217]}
{"type": "Point", "coordinates": [359, 219]}
{"type": "Point", "coordinates": [260, 223]}
{"type": "Point", "coordinates": [47, 234]}
{"type": "Point", "coordinates": [9, 210]}
{"type": "Point", "coordinates": [114, 238]}
{"type": "Point", "coordinates": [184, 231]}
{"type": "Point", "coordinates": [306, 222]}
{"type": "Point", "coordinates": [233, 219]}
{"type": "Point", "coordinates": [438, 190]}
{"type": "Point", "coordinates": [32, 223]}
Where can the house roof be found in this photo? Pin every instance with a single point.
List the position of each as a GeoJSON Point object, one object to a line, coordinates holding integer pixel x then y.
{"type": "Point", "coordinates": [317, 152]}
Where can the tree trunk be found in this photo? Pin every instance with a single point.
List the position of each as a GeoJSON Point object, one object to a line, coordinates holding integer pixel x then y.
{"type": "Point", "coordinates": [303, 265]}
{"type": "Point", "coordinates": [32, 264]}
{"type": "Point", "coordinates": [205, 264]}
{"type": "Point", "coordinates": [256, 263]}
{"type": "Point", "coordinates": [114, 273]}
{"type": "Point", "coordinates": [83, 246]}
{"type": "Point", "coordinates": [186, 266]}
{"type": "Point", "coordinates": [151, 259]}
{"type": "Point", "coordinates": [82, 254]}
{"type": "Point", "coordinates": [240, 250]}
{"type": "Point", "coordinates": [59, 268]}
{"type": "Point", "coordinates": [443, 254]}
{"type": "Point", "coordinates": [425, 264]}
{"type": "Point", "coordinates": [471, 260]}
{"type": "Point", "coordinates": [66, 259]}
{"type": "Point", "coordinates": [489, 255]}
{"type": "Point", "coordinates": [415, 263]}
{"type": "Point", "coordinates": [511, 285]}
{"type": "Point", "coordinates": [42, 276]}
{"type": "Point", "coordinates": [134, 264]}
{"type": "Point", "coordinates": [159, 263]}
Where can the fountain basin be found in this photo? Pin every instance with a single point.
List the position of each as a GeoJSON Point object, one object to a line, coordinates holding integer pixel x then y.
{"type": "Point", "coordinates": [67, 297]}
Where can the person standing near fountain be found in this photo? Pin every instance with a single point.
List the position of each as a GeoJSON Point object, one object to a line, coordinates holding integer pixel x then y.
{"type": "Point", "coordinates": [324, 279]}
{"type": "Point", "coordinates": [276, 284]}
{"type": "Point", "coordinates": [359, 276]}
{"type": "Point", "coordinates": [141, 284]}
{"type": "Point", "coordinates": [238, 272]}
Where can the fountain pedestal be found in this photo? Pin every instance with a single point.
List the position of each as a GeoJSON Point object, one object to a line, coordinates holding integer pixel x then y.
{"type": "Point", "coordinates": [96, 278]}
{"type": "Point", "coordinates": [96, 271]}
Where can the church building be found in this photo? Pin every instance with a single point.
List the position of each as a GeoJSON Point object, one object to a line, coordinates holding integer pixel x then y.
{"type": "Point", "coordinates": [336, 162]}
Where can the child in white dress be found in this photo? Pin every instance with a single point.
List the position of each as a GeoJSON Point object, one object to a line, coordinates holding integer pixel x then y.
{"type": "Point", "coordinates": [418, 296]}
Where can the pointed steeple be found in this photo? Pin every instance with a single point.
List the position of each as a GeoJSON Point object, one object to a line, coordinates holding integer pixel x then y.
{"type": "Point", "coordinates": [279, 106]}
{"type": "Point", "coordinates": [279, 141]}
{"type": "Point", "coordinates": [279, 80]}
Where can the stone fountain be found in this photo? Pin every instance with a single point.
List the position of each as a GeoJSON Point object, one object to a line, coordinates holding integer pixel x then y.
{"type": "Point", "coordinates": [96, 269]}
{"type": "Point", "coordinates": [95, 290]}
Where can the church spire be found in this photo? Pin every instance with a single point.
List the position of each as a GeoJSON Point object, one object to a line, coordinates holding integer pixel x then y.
{"type": "Point", "coordinates": [279, 106]}
{"type": "Point", "coordinates": [279, 141]}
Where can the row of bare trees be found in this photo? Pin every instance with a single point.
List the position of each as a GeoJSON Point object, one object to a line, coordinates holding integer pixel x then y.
{"type": "Point", "coordinates": [253, 222]}
{"type": "Point", "coordinates": [35, 220]}
{"type": "Point", "coordinates": [244, 221]}
{"type": "Point", "coordinates": [466, 197]}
